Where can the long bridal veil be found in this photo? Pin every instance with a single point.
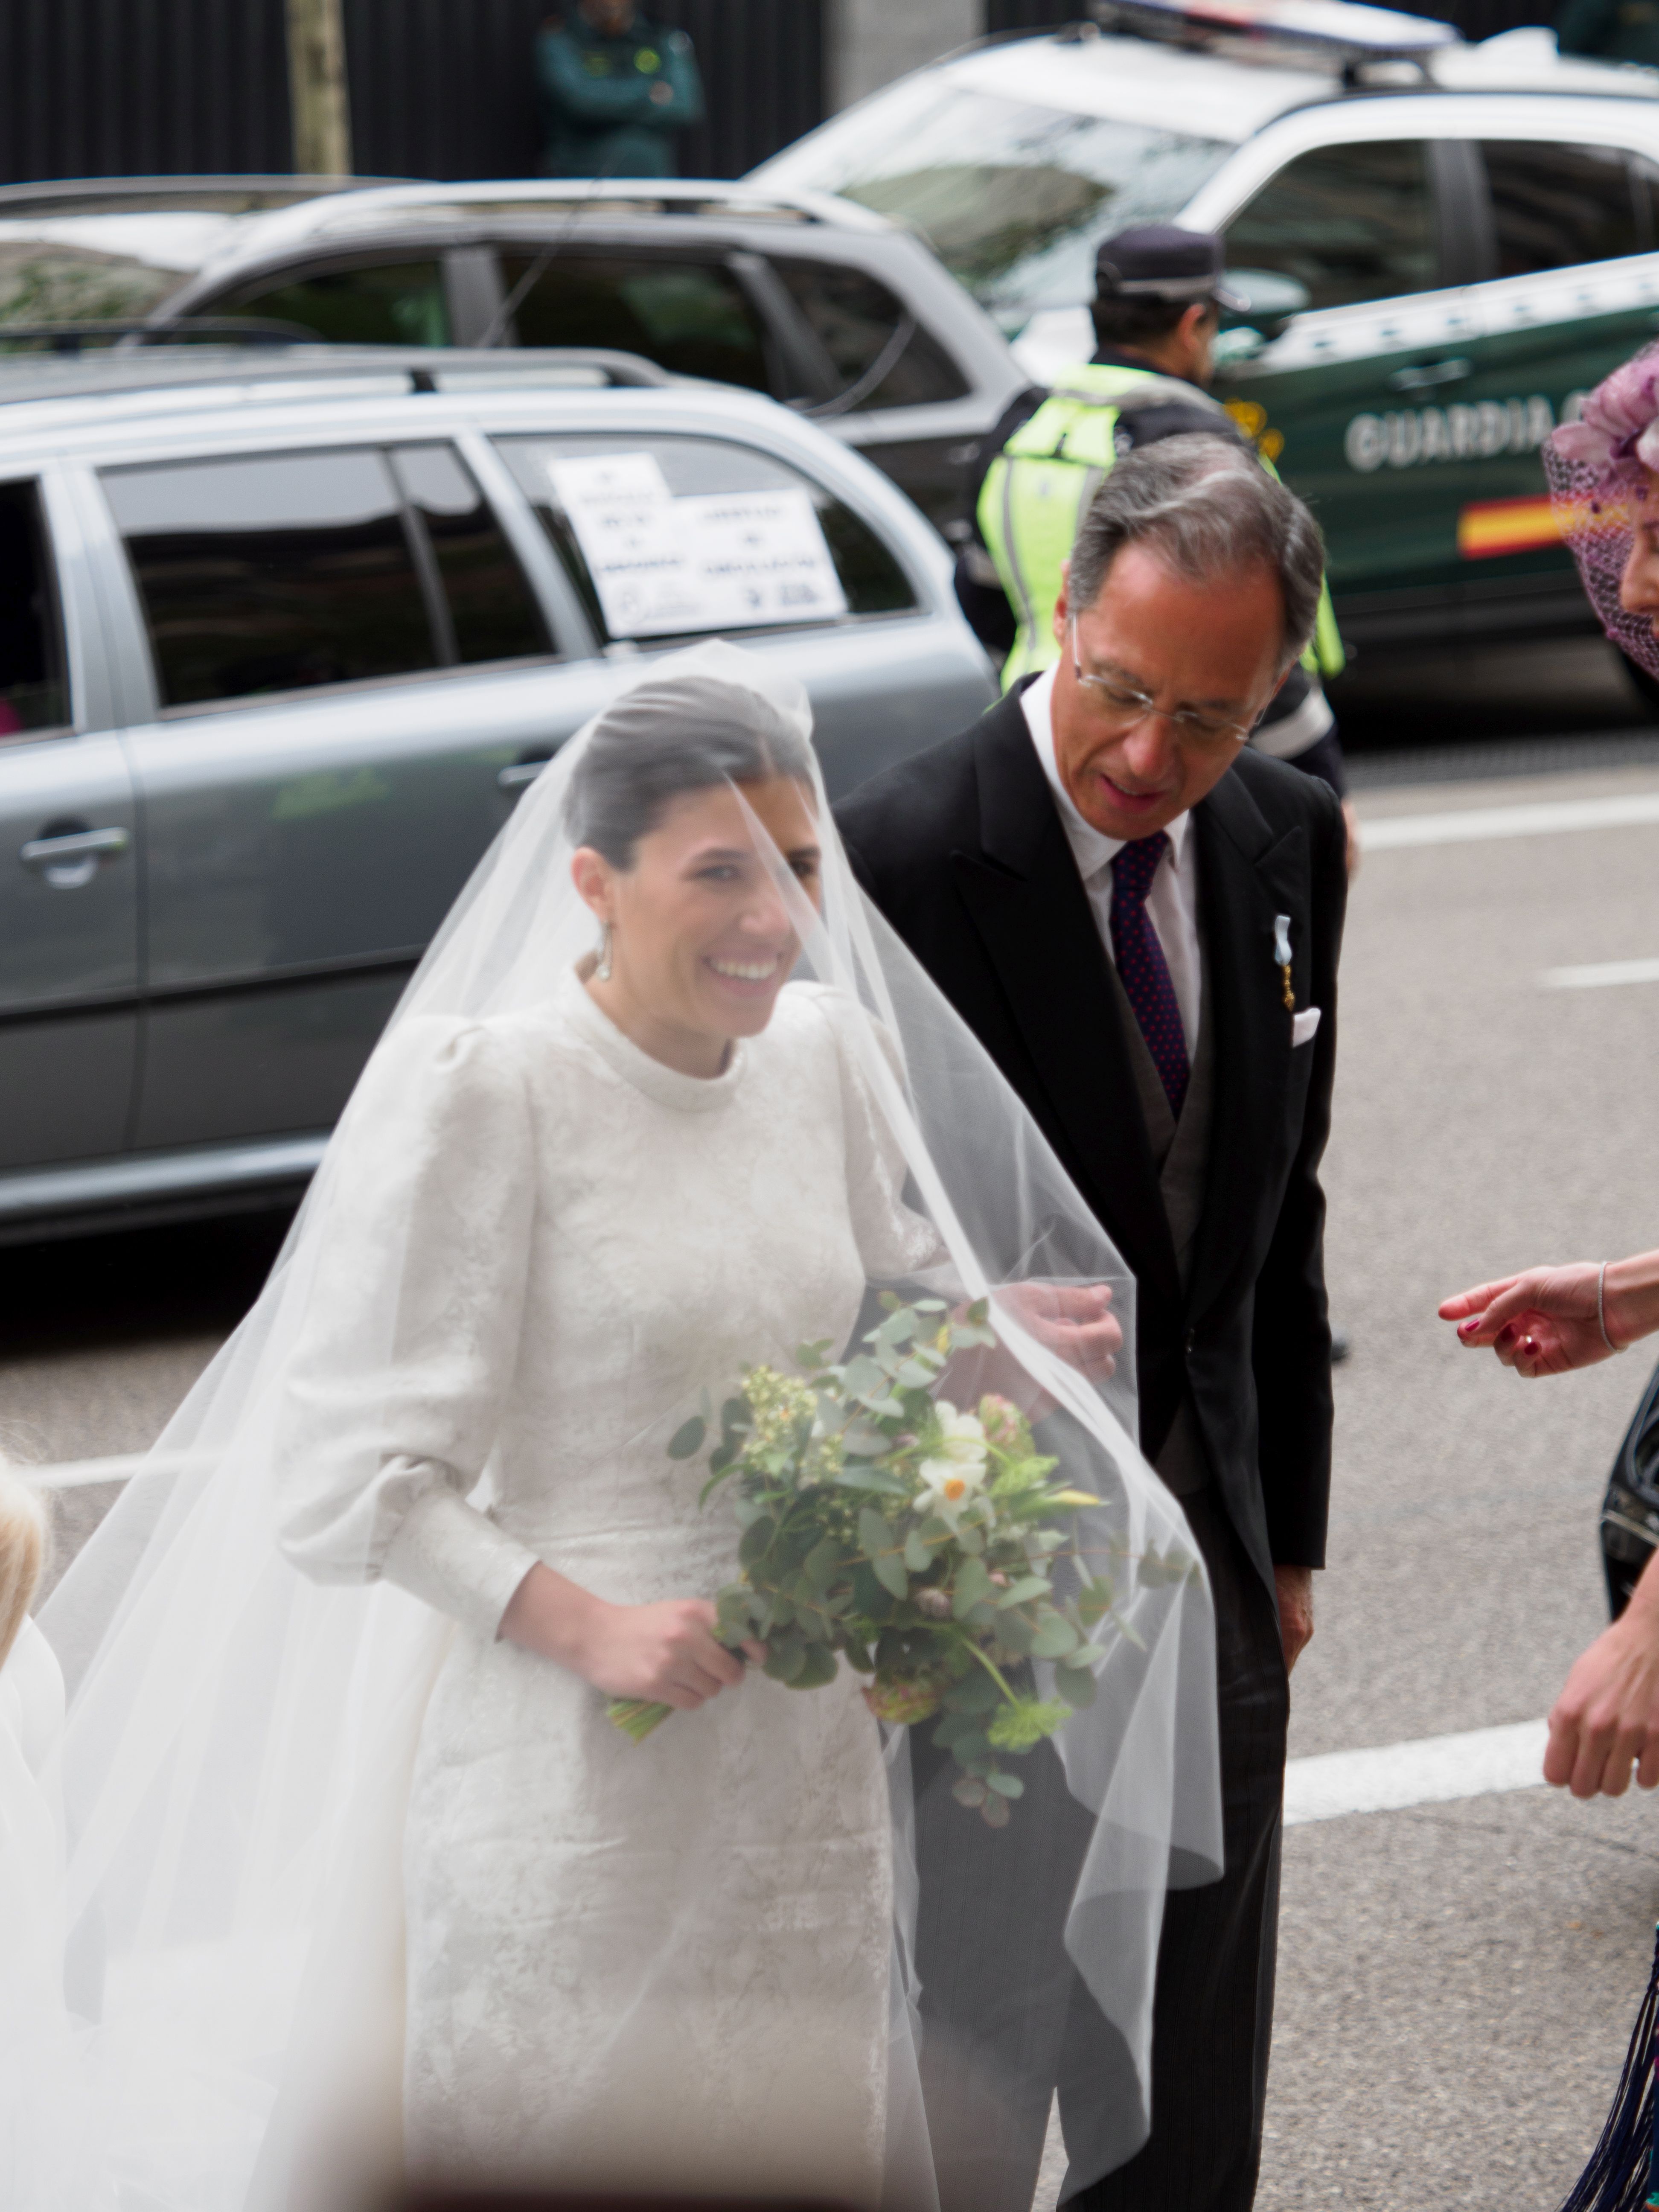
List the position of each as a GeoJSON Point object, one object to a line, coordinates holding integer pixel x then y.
{"type": "Point", "coordinates": [237, 1756]}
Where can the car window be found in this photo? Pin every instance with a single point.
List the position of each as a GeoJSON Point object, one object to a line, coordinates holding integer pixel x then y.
{"type": "Point", "coordinates": [491, 608]}
{"type": "Point", "coordinates": [274, 572]}
{"type": "Point", "coordinates": [32, 694]}
{"type": "Point", "coordinates": [736, 538]}
{"type": "Point", "coordinates": [1349, 223]}
{"type": "Point", "coordinates": [878, 353]}
{"type": "Point", "coordinates": [1555, 205]}
{"type": "Point", "coordinates": [692, 317]}
{"type": "Point", "coordinates": [379, 303]}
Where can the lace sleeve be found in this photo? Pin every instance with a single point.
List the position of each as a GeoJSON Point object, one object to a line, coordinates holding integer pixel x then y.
{"type": "Point", "coordinates": [388, 1402]}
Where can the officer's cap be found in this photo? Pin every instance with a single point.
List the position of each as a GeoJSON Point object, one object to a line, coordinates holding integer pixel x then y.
{"type": "Point", "coordinates": [1156, 261]}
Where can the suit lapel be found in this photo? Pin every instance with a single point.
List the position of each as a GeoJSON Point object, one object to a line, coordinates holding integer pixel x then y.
{"type": "Point", "coordinates": [1246, 877]}
{"type": "Point", "coordinates": [1033, 916]}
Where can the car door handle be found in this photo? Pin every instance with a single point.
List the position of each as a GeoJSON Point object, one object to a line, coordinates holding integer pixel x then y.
{"type": "Point", "coordinates": [70, 857]}
{"type": "Point", "coordinates": [521, 773]}
{"type": "Point", "coordinates": [73, 845]}
{"type": "Point", "coordinates": [1431, 373]}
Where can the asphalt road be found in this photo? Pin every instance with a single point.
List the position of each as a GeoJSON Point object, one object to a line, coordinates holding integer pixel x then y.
{"type": "Point", "coordinates": [1457, 1982]}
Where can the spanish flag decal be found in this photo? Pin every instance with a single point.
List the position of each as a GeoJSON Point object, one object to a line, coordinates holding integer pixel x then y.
{"type": "Point", "coordinates": [1491, 526]}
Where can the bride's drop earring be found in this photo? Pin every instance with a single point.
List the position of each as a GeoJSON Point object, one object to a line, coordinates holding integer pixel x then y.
{"type": "Point", "coordinates": [602, 960]}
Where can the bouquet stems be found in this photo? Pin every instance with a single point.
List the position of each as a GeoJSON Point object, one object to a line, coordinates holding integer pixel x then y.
{"type": "Point", "coordinates": [636, 1716]}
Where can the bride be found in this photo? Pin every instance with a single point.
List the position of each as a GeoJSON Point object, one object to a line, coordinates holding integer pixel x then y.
{"type": "Point", "coordinates": [371, 1874]}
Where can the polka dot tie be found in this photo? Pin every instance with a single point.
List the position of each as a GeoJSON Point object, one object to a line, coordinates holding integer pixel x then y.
{"type": "Point", "coordinates": [1141, 964]}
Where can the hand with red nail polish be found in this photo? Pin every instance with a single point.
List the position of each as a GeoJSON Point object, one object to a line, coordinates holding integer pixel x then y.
{"type": "Point", "coordinates": [1550, 1321]}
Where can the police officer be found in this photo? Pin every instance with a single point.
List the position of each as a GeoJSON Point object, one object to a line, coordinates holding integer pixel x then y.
{"type": "Point", "coordinates": [614, 90]}
{"type": "Point", "coordinates": [1158, 293]}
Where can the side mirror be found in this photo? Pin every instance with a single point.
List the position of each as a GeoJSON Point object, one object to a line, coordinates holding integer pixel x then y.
{"type": "Point", "coordinates": [1263, 299]}
{"type": "Point", "coordinates": [1238, 344]}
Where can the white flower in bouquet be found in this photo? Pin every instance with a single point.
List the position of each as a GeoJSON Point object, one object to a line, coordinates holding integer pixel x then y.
{"type": "Point", "coordinates": [953, 1473]}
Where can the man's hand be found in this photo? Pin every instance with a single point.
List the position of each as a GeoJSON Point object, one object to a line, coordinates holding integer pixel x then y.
{"type": "Point", "coordinates": [1073, 1319]}
{"type": "Point", "coordinates": [1294, 1588]}
{"type": "Point", "coordinates": [1606, 1719]}
{"type": "Point", "coordinates": [1546, 1321]}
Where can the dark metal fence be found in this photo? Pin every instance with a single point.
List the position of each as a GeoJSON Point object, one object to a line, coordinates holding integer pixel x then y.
{"type": "Point", "coordinates": [439, 87]}
{"type": "Point", "coordinates": [139, 88]}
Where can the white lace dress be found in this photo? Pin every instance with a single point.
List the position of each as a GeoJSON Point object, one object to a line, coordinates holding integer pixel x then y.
{"type": "Point", "coordinates": [667, 1960]}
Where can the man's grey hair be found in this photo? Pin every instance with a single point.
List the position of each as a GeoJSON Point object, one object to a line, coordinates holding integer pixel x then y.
{"type": "Point", "coordinates": [1208, 508]}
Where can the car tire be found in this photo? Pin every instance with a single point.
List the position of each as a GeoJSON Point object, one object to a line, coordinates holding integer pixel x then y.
{"type": "Point", "coordinates": [1646, 687]}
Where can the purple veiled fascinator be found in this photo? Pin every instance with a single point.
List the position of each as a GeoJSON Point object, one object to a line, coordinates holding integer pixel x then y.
{"type": "Point", "coordinates": [1597, 471]}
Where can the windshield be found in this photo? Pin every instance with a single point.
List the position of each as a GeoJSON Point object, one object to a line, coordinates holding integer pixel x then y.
{"type": "Point", "coordinates": [1012, 197]}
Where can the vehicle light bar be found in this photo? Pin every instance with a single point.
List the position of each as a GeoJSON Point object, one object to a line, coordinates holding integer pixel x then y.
{"type": "Point", "coordinates": [1339, 27]}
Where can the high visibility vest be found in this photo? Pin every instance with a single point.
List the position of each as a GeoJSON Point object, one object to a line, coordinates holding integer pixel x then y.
{"type": "Point", "coordinates": [1039, 487]}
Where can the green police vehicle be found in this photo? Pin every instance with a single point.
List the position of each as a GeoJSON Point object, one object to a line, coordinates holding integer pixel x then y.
{"type": "Point", "coordinates": [1442, 246]}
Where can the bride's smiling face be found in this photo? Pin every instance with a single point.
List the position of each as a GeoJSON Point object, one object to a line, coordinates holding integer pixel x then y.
{"type": "Point", "coordinates": [701, 939]}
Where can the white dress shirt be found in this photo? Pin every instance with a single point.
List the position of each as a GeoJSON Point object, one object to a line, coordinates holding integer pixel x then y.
{"type": "Point", "coordinates": [1172, 902]}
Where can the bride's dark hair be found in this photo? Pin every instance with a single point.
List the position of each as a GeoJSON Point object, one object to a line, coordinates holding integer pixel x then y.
{"type": "Point", "coordinates": [661, 740]}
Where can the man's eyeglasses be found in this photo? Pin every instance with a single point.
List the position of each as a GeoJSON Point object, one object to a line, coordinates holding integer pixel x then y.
{"type": "Point", "coordinates": [1128, 708]}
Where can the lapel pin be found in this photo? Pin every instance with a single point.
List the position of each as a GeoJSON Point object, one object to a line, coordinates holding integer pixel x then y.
{"type": "Point", "coordinates": [1282, 956]}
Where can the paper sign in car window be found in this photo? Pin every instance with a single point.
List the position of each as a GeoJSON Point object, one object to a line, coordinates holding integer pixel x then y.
{"type": "Point", "coordinates": [717, 561]}
{"type": "Point", "coordinates": [633, 539]}
{"type": "Point", "coordinates": [761, 556]}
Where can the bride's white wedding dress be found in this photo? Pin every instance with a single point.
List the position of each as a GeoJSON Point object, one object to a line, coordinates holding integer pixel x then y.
{"type": "Point", "coordinates": [322, 1841]}
{"type": "Point", "coordinates": [666, 1959]}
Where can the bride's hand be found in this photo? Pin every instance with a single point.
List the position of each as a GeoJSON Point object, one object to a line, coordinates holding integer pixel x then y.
{"type": "Point", "coordinates": [666, 1654]}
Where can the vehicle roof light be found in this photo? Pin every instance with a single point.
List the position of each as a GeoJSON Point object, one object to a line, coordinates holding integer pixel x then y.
{"type": "Point", "coordinates": [1340, 29]}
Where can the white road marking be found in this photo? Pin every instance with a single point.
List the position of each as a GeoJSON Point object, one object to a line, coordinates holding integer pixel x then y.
{"type": "Point", "coordinates": [1598, 974]}
{"type": "Point", "coordinates": [1475, 825]}
{"type": "Point", "coordinates": [1435, 1770]}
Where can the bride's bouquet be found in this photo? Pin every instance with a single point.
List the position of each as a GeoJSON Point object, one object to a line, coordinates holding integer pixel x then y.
{"type": "Point", "coordinates": [923, 1541]}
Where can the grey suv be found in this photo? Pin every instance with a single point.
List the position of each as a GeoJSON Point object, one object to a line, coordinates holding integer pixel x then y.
{"type": "Point", "coordinates": [280, 642]}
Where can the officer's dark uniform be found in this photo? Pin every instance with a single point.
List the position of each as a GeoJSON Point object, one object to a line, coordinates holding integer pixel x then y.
{"type": "Point", "coordinates": [1610, 30]}
{"type": "Point", "coordinates": [1152, 262]}
{"type": "Point", "coordinates": [610, 105]}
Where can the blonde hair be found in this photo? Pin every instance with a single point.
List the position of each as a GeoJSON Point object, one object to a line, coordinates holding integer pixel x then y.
{"type": "Point", "coordinates": [23, 1544]}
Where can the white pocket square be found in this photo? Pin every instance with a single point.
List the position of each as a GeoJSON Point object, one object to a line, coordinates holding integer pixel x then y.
{"type": "Point", "coordinates": [1302, 1025]}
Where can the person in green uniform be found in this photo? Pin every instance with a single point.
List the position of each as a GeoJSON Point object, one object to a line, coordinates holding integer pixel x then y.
{"type": "Point", "coordinates": [1610, 30]}
{"type": "Point", "coordinates": [614, 90]}
{"type": "Point", "coordinates": [1158, 292]}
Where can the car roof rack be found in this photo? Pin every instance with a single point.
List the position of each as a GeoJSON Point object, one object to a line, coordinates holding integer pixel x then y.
{"type": "Point", "coordinates": [158, 368]}
{"type": "Point", "coordinates": [528, 200]}
{"type": "Point", "coordinates": [1340, 34]}
{"type": "Point", "coordinates": [204, 195]}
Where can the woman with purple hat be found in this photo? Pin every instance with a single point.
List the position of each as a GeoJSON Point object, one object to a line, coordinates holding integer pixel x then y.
{"type": "Point", "coordinates": [1603, 472]}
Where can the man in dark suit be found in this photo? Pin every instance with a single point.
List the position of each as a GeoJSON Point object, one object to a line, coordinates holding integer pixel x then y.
{"type": "Point", "coordinates": [1140, 920]}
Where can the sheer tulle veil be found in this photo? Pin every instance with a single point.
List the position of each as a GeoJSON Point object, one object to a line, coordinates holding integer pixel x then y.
{"type": "Point", "coordinates": [237, 1759]}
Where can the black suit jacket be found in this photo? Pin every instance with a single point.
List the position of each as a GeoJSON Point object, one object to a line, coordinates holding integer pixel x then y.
{"type": "Point", "coordinates": [962, 849]}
